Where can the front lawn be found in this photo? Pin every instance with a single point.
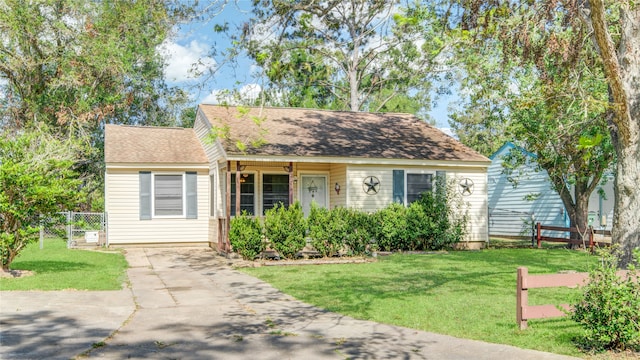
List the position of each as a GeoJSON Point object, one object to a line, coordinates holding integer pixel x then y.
{"type": "Point", "coordinates": [57, 268]}
{"type": "Point", "coordinates": [467, 294]}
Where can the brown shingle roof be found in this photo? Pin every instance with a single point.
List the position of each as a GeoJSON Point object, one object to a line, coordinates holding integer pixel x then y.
{"type": "Point", "coordinates": [305, 132]}
{"type": "Point", "coordinates": [137, 144]}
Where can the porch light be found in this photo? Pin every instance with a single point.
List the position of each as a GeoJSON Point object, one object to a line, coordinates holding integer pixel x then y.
{"type": "Point", "coordinates": [312, 188]}
{"type": "Point", "coordinates": [337, 189]}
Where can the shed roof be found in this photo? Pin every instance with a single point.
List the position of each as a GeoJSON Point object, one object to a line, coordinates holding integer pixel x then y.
{"type": "Point", "coordinates": [141, 144]}
{"type": "Point", "coordinates": [313, 133]}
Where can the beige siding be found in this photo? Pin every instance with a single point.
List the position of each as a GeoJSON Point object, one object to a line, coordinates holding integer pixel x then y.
{"type": "Point", "coordinates": [125, 227]}
{"type": "Point", "coordinates": [358, 199]}
{"type": "Point", "coordinates": [478, 230]}
{"type": "Point", "coordinates": [213, 232]}
{"type": "Point", "coordinates": [476, 203]}
{"type": "Point", "coordinates": [213, 149]}
{"type": "Point", "coordinates": [338, 174]}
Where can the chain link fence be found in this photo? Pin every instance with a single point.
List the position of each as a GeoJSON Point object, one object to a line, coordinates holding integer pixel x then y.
{"type": "Point", "coordinates": [80, 229]}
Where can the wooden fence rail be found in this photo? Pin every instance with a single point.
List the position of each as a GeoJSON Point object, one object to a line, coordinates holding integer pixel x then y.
{"type": "Point", "coordinates": [524, 311]}
{"type": "Point", "coordinates": [572, 230]}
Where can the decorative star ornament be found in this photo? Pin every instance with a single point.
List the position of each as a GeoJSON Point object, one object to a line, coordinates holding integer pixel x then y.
{"type": "Point", "coordinates": [371, 185]}
{"type": "Point", "coordinates": [466, 186]}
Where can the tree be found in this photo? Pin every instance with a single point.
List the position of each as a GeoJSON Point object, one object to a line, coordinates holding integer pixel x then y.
{"type": "Point", "coordinates": [75, 65]}
{"type": "Point", "coordinates": [557, 35]}
{"type": "Point", "coordinates": [356, 55]}
{"type": "Point", "coordinates": [36, 180]}
{"type": "Point", "coordinates": [69, 63]}
{"type": "Point", "coordinates": [546, 109]}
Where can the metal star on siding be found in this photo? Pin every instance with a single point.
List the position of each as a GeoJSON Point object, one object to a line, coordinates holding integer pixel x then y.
{"type": "Point", "coordinates": [371, 185]}
{"type": "Point", "coordinates": [466, 186]}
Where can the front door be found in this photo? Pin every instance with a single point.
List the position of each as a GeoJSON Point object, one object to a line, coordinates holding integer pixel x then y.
{"type": "Point", "coordinates": [313, 189]}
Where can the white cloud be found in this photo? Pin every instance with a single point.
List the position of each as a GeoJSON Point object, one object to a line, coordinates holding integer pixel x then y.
{"type": "Point", "coordinates": [185, 62]}
{"type": "Point", "coordinates": [247, 93]}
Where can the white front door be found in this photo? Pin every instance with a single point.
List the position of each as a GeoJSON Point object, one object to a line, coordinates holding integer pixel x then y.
{"type": "Point", "coordinates": [313, 189]}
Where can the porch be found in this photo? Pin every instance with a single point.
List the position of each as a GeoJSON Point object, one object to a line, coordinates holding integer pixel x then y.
{"type": "Point", "coordinates": [256, 187]}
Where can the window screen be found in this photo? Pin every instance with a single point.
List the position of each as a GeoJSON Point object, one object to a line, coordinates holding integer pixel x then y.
{"type": "Point", "coordinates": [275, 189]}
{"type": "Point", "coordinates": [247, 193]}
{"type": "Point", "coordinates": [417, 184]}
{"type": "Point", "coordinates": [168, 195]}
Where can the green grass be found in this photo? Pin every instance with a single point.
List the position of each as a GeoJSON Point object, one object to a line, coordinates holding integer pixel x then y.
{"type": "Point", "coordinates": [468, 294]}
{"type": "Point", "coordinates": [59, 268]}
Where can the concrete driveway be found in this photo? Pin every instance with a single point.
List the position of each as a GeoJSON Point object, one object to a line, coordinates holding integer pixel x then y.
{"type": "Point", "coordinates": [189, 304]}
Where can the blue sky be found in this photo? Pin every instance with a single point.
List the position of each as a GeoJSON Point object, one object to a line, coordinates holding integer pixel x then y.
{"type": "Point", "coordinates": [192, 44]}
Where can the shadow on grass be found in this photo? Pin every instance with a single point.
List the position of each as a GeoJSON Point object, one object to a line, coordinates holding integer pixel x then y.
{"type": "Point", "coordinates": [45, 266]}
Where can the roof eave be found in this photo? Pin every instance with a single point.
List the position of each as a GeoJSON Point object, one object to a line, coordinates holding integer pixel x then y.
{"type": "Point", "coordinates": [155, 165]}
{"type": "Point", "coordinates": [361, 161]}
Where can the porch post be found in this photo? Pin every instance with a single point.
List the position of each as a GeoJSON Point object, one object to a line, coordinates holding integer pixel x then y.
{"type": "Point", "coordinates": [227, 225]}
{"type": "Point", "coordinates": [290, 183]}
{"type": "Point", "coordinates": [237, 188]}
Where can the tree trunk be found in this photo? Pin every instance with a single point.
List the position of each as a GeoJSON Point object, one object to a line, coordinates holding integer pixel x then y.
{"type": "Point", "coordinates": [577, 205]}
{"type": "Point", "coordinates": [622, 68]}
{"type": "Point", "coordinates": [626, 214]}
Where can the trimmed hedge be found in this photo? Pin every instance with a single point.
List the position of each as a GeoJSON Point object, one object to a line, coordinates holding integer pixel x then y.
{"type": "Point", "coordinates": [434, 222]}
{"type": "Point", "coordinates": [285, 228]}
{"type": "Point", "coordinates": [245, 236]}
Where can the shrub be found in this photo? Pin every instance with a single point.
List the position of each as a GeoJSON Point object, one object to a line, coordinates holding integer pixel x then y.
{"type": "Point", "coordinates": [327, 229]}
{"type": "Point", "coordinates": [438, 220]}
{"type": "Point", "coordinates": [245, 236]}
{"type": "Point", "coordinates": [609, 309]}
{"type": "Point", "coordinates": [285, 228]}
{"type": "Point", "coordinates": [390, 227]}
{"type": "Point", "coordinates": [359, 230]}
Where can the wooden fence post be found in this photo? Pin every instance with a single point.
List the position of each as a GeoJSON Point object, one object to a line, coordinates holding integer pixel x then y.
{"type": "Point", "coordinates": [590, 238]}
{"type": "Point", "coordinates": [522, 297]}
{"type": "Point", "coordinates": [539, 236]}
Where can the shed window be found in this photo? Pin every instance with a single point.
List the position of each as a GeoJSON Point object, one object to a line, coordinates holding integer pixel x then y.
{"type": "Point", "coordinates": [168, 195]}
{"type": "Point", "coordinates": [275, 189]}
{"type": "Point", "coordinates": [418, 184]}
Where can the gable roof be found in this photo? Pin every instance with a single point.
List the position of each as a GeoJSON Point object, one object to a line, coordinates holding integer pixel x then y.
{"type": "Point", "coordinates": [140, 144]}
{"type": "Point", "coordinates": [506, 148]}
{"type": "Point", "coordinates": [321, 133]}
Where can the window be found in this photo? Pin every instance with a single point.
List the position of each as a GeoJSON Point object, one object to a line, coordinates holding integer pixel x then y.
{"type": "Point", "coordinates": [275, 189]}
{"type": "Point", "coordinates": [168, 195]}
{"type": "Point", "coordinates": [247, 193]}
{"type": "Point", "coordinates": [417, 184]}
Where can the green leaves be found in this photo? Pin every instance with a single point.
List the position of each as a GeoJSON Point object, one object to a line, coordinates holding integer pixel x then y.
{"type": "Point", "coordinates": [36, 180]}
{"type": "Point", "coordinates": [346, 55]}
{"type": "Point", "coordinates": [609, 309]}
{"type": "Point", "coordinates": [245, 236]}
{"type": "Point", "coordinates": [285, 229]}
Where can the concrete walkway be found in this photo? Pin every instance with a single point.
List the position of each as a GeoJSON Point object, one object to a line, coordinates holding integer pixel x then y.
{"type": "Point", "coordinates": [189, 304]}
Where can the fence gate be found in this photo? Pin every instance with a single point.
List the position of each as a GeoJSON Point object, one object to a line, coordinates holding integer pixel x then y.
{"type": "Point", "coordinates": [87, 229]}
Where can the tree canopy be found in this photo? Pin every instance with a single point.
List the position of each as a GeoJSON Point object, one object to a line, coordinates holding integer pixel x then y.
{"type": "Point", "coordinates": [583, 60]}
{"type": "Point", "coordinates": [36, 180]}
{"type": "Point", "coordinates": [74, 65]}
{"type": "Point", "coordinates": [355, 55]}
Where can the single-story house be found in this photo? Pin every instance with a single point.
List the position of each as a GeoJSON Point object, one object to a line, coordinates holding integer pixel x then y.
{"type": "Point", "coordinates": [181, 186]}
{"type": "Point", "coordinates": [524, 195]}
